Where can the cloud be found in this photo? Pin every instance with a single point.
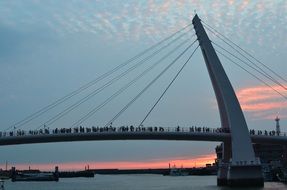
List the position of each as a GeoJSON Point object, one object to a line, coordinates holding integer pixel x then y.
{"type": "Point", "coordinates": [262, 101]}
{"type": "Point", "coordinates": [141, 20]}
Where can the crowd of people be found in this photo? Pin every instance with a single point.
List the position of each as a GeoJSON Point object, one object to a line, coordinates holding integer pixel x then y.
{"type": "Point", "coordinates": [266, 133]}
{"type": "Point", "coordinates": [80, 129]}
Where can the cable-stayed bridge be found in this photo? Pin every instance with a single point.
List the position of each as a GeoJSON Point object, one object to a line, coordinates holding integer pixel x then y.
{"type": "Point", "coordinates": [239, 165]}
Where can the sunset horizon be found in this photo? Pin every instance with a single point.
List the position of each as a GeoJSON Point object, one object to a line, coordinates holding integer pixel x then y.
{"type": "Point", "coordinates": [195, 162]}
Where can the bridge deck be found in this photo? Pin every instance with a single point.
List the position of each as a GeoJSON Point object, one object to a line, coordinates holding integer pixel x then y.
{"type": "Point", "coordinates": [100, 136]}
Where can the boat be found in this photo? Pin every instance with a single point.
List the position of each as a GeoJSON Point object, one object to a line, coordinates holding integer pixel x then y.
{"type": "Point", "coordinates": [178, 172]}
{"type": "Point", "coordinates": [2, 185]}
{"type": "Point", "coordinates": [34, 176]}
{"type": "Point", "coordinates": [5, 174]}
{"type": "Point", "coordinates": [85, 173]}
{"type": "Point", "coordinates": [174, 171]}
{"type": "Point", "coordinates": [282, 176]}
{"type": "Point", "coordinates": [3, 177]}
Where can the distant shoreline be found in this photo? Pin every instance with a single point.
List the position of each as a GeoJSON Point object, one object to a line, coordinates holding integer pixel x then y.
{"type": "Point", "coordinates": [209, 170]}
{"type": "Point", "coordinates": [161, 171]}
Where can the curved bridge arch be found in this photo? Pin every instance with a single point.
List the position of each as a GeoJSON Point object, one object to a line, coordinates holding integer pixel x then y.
{"type": "Point", "coordinates": [243, 168]}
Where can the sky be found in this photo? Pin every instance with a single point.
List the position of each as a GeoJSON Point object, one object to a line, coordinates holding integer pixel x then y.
{"type": "Point", "coordinates": [50, 48]}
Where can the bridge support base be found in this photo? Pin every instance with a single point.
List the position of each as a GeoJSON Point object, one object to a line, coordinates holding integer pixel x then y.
{"type": "Point", "coordinates": [245, 176]}
{"type": "Point", "coordinates": [222, 175]}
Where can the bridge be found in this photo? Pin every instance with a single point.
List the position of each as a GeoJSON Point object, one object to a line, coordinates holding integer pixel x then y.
{"type": "Point", "coordinates": [142, 133]}
{"type": "Point", "coordinates": [238, 167]}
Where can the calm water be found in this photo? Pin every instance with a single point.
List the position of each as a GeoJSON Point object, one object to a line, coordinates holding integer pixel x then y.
{"type": "Point", "coordinates": [130, 182]}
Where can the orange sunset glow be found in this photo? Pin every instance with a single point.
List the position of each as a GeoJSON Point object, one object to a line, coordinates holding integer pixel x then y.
{"type": "Point", "coordinates": [198, 161]}
{"type": "Point", "coordinates": [262, 101]}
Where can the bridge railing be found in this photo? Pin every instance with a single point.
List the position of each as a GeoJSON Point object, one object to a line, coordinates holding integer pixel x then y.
{"type": "Point", "coordinates": [131, 129]}
{"type": "Point", "coordinates": [78, 130]}
{"type": "Point", "coordinates": [266, 133]}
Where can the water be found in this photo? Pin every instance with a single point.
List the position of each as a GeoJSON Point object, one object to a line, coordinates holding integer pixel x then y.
{"type": "Point", "coordinates": [131, 182]}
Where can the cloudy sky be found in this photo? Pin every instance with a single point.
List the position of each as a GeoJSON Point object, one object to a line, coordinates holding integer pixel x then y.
{"type": "Point", "coordinates": [50, 48]}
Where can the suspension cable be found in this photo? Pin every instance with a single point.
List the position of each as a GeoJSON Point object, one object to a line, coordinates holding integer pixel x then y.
{"type": "Point", "coordinates": [150, 84]}
{"type": "Point", "coordinates": [94, 110]}
{"type": "Point", "coordinates": [91, 83]}
{"type": "Point", "coordinates": [246, 52]}
{"type": "Point", "coordinates": [109, 83]}
{"type": "Point", "coordinates": [248, 59]}
{"type": "Point", "coordinates": [267, 76]}
{"type": "Point", "coordinates": [167, 87]}
{"type": "Point", "coordinates": [253, 75]}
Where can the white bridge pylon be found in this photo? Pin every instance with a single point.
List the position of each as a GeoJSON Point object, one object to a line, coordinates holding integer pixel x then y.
{"type": "Point", "coordinates": [243, 158]}
{"type": "Point", "coordinates": [230, 111]}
